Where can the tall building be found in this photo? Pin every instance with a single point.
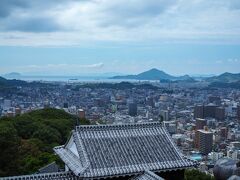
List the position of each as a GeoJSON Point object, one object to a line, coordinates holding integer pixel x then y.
{"type": "Point", "coordinates": [220, 113]}
{"type": "Point", "coordinates": [214, 99]}
{"type": "Point", "coordinates": [65, 105]}
{"type": "Point", "coordinates": [223, 132]}
{"type": "Point", "coordinates": [200, 123]}
{"type": "Point", "coordinates": [170, 126]}
{"type": "Point", "coordinates": [238, 112]}
{"type": "Point", "coordinates": [165, 115]}
{"type": "Point", "coordinates": [205, 141]}
{"type": "Point", "coordinates": [150, 101]}
{"type": "Point", "coordinates": [132, 108]}
{"type": "Point", "coordinates": [6, 104]}
{"type": "Point", "coordinates": [210, 110]}
{"type": "Point", "coordinates": [199, 111]}
{"type": "Point", "coordinates": [81, 113]}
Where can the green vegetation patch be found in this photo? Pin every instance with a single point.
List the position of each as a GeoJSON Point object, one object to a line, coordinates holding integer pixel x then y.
{"type": "Point", "coordinates": [27, 141]}
{"type": "Point", "coordinates": [194, 174]}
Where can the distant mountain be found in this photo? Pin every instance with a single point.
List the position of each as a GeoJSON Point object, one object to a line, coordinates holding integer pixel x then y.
{"type": "Point", "coordinates": [235, 85]}
{"type": "Point", "coordinates": [12, 75]}
{"type": "Point", "coordinates": [202, 75]}
{"type": "Point", "coordinates": [154, 74]}
{"type": "Point", "coordinates": [225, 78]}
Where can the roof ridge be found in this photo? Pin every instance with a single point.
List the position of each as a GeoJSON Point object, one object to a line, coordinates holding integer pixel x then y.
{"type": "Point", "coordinates": [70, 159]}
{"type": "Point", "coordinates": [48, 165]}
{"type": "Point", "coordinates": [81, 150]}
{"type": "Point", "coordinates": [125, 125]}
{"type": "Point", "coordinates": [173, 144]}
{"type": "Point", "coordinates": [55, 175]}
{"type": "Point", "coordinates": [152, 174]}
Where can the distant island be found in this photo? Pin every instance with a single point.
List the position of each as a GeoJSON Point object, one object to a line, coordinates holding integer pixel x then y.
{"type": "Point", "coordinates": [155, 74]}
{"type": "Point", "coordinates": [12, 74]}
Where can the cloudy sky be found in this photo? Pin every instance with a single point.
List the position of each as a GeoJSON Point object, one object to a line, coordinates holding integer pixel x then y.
{"type": "Point", "coordinates": [70, 37]}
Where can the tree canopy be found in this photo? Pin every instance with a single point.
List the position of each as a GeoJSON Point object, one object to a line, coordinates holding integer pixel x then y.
{"type": "Point", "coordinates": [194, 174]}
{"type": "Point", "coordinates": [27, 141]}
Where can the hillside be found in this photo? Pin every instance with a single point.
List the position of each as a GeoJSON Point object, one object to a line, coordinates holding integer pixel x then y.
{"type": "Point", "coordinates": [234, 85]}
{"type": "Point", "coordinates": [121, 85]}
{"type": "Point", "coordinates": [10, 83]}
{"type": "Point", "coordinates": [225, 78]}
{"type": "Point", "coordinates": [153, 74]}
{"type": "Point", "coordinates": [26, 141]}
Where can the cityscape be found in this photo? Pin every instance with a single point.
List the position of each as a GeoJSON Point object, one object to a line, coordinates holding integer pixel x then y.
{"type": "Point", "coordinates": [203, 121]}
{"type": "Point", "coordinates": [101, 89]}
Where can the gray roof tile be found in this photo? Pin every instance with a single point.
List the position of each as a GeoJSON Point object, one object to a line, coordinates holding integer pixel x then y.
{"type": "Point", "coordinates": [108, 150]}
{"type": "Point", "coordinates": [45, 176]}
{"type": "Point", "coordinates": [148, 175]}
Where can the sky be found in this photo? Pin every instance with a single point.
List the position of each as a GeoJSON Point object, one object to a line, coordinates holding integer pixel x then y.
{"type": "Point", "coordinates": [74, 37]}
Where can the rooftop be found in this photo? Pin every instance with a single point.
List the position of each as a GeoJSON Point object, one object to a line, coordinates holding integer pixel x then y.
{"type": "Point", "coordinates": [203, 131]}
{"type": "Point", "coordinates": [112, 150]}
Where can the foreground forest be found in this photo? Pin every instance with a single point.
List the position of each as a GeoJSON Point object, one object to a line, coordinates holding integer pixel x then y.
{"type": "Point", "coordinates": [27, 141]}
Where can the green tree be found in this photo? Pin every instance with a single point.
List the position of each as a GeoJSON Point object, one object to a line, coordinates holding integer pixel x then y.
{"type": "Point", "coordinates": [194, 174]}
{"type": "Point", "coordinates": [27, 141]}
{"type": "Point", "coordinates": [47, 134]}
{"type": "Point", "coordinates": [9, 142]}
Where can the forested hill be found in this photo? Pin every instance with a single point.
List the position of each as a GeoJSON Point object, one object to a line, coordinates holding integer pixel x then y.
{"type": "Point", "coordinates": [27, 141]}
{"type": "Point", "coordinates": [9, 83]}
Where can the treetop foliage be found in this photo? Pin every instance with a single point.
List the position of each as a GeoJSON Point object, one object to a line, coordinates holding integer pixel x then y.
{"type": "Point", "coordinates": [27, 141]}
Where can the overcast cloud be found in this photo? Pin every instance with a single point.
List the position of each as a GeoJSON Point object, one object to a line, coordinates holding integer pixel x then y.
{"type": "Point", "coordinates": [59, 22]}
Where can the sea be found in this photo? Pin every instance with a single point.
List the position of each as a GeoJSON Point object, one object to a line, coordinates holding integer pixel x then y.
{"type": "Point", "coordinates": [72, 79]}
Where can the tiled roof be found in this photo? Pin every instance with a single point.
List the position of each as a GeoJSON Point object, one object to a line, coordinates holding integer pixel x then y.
{"type": "Point", "coordinates": [70, 159]}
{"type": "Point", "coordinates": [45, 176]}
{"type": "Point", "coordinates": [52, 167]}
{"type": "Point", "coordinates": [148, 175]}
{"type": "Point", "coordinates": [112, 150]}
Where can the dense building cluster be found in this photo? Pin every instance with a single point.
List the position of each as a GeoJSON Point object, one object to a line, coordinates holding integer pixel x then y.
{"type": "Point", "coordinates": [203, 122]}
